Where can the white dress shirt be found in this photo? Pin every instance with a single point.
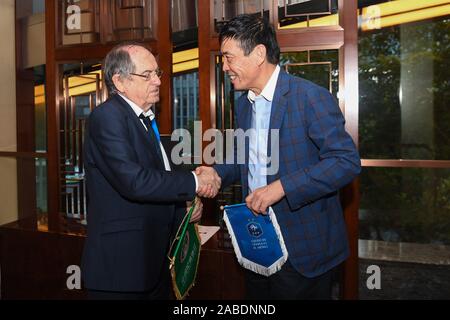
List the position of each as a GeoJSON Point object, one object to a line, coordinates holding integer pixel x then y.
{"type": "Point", "coordinates": [138, 111]}
{"type": "Point", "coordinates": [261, 110]}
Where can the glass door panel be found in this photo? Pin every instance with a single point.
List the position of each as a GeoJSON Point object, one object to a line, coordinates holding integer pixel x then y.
{"type": "Point", "coordinates": [83, 91]}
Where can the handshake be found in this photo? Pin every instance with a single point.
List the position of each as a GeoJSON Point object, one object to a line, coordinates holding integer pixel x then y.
{"type": "Point", "coordinates": [209, 182]}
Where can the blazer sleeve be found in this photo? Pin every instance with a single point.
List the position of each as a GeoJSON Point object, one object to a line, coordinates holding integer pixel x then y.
{"type": "Point", "coordinates": [229, 173]}
{"type": "Point", "coordinates": [118, 163]}
{"type": "Point", "coordinates": [338, 163]}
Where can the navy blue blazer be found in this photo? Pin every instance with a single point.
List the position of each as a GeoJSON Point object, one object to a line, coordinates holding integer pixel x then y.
{"type": "Point", "coordinates": [317, 157]}
{"type": "Point", "coordinates": [133, 204]}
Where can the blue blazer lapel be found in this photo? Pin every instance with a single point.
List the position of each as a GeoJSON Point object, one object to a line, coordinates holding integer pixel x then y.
{"type": "Point", "coordinates": [245, 121]}
{"type": "Point", "coordinates": [279, 107]}
{"type": "Point", "coordinates": [279, 103]}
{"type": "Point", "coordinates": [245, 113]}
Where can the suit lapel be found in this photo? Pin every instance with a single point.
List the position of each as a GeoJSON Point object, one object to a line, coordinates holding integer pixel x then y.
{"type": "Point", "coordinates": [245, 114]}
{"type": "Point", "coordinates": [279, 107]}
{"type": "Point", "coordinates": [244, 118]}
{"type": "Point", "coordinates": [279, 103]}
{"type": "Point", "coordinates": [148, 136]}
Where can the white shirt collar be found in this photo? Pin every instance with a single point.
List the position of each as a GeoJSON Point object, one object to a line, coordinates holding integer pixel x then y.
{"type": "Point", "coordinates": [269, 90]}
{"type": "Point", "coordinates": [137, 110]}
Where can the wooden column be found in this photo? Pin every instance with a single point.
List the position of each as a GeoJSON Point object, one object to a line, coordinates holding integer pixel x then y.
{"type": "Point", "coordinates": [204, 70]}
{"type": "Point", "coordinates": [164, 47]}
{"type": "Point", "coordinates": [349, 21]}
{"type": "Point", "coordinates": [53, 97]}
{"type": "Point", "coordinates": [25, 124]}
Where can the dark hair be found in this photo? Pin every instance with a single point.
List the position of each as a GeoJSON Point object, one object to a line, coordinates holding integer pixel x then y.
{"type": "Point", "coordinates": [118, 61]}
{"type": "Point", "coordinates": [250, 30]}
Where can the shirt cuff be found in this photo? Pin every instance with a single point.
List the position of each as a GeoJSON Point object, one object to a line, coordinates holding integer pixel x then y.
{"type": "Point", "coordinates": [196, 181]}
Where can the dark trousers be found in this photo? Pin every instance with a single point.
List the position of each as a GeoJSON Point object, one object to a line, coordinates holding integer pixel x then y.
{"type": "Point", "coordinates": [288, 284]}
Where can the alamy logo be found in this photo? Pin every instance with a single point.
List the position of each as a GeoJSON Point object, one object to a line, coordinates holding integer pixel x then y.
{"type": "Point", "coordinates": [374, 281]}
{"type": "Point", "coordinates": [227, 147]}
{"type": "Point", "coordinates": [73, 12]}
{"type": "Point", "coordinates": [73, 281]}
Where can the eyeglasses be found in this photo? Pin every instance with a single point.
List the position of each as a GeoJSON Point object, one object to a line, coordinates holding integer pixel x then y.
{"type": "Point", "coordinates": [148, 75]}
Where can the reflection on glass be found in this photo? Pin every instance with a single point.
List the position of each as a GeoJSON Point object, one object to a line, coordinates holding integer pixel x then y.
{"type": "Point", "coordinates": [131, 20]}
{"type": "Point", "coordinates": [184, 15]}
{"type": "Point", "coordinates": [83, 91]}
{"type": "Point", "coordinates": [319, 73]}
{"type": "Point", "coordinates": [79, 21]}
{"type": "Point", "coordinates": [224, 10]}
{"type": "Point", "coordinates": [383, 14]}
{"type": "Point", "coordinates": [40, 108]}
{"type": "Point", "coordinates": [185, 101]}
{"type": "Point", "coordinates": [404, 87]}
{"type": "Point", "coordinates": [307, 13]}
{"type": "Point", "coordinates": [41, 193]}
{"type": "Point", "coordinates": [405, 205]}
{"type": "Point", "coordinates": [318, 66]}
{"type": "Point", "coordinates": [184, 24]}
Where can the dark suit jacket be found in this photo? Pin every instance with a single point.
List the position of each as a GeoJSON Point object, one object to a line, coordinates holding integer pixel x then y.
{"type": "Point", "coordinates": [132, 201]}
{"type": "Point", "coordinates": [316, 158]}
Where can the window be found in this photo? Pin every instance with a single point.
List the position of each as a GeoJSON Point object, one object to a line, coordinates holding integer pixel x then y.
{"type": "Point", "coordinates": [404, 216]}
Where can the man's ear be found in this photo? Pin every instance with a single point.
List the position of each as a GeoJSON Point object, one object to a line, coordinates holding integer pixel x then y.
{"type": "Point", "coordinates": [260, 51]}
{"type": "Point", "coordinates": [118, 83]}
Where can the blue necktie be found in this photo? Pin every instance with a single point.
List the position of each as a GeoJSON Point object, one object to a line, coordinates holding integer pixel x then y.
{"type": "Point", "coordinates": [151, 123]}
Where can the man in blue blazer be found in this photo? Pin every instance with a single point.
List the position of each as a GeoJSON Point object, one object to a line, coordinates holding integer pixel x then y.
{"type": "Point", "coordinates": [316, 158]}
{"type": "Point", "coordinates": [135, 202]}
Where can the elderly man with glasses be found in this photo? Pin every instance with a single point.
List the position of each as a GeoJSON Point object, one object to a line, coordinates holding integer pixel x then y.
{"type": "Point", "coordinates": [135, 202]}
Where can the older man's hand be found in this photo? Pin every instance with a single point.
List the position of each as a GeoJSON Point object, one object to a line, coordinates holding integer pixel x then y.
{"type": "Point", "coordinates": [198, 210]}
{"type": "Point", "coordinates": [209, 182]}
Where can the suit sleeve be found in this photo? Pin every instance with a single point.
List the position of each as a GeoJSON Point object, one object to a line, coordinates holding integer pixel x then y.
{"type": "Point", "coordinates": [229, 173]}
{"type": "Point", "coordinates": [339, 162]}
{"type": "Point", "coordinates": [117, 161]}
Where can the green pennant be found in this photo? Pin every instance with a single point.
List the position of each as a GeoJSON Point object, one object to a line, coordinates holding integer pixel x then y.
{"type": "Point", "coordinates": [184, 256]}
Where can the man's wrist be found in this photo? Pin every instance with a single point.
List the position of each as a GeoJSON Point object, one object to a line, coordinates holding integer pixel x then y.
{"type": "Point", "coordinates": [279, 188]}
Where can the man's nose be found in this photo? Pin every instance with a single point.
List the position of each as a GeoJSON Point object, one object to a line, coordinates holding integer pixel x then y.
{"type": "Point", "coordinates": [156, 81]}
{"type": "Point", "coordinates": [225, 66]}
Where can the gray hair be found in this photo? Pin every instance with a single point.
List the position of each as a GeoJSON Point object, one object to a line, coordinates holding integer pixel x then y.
{"type": "Point", "coordinates": [118, 61]}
